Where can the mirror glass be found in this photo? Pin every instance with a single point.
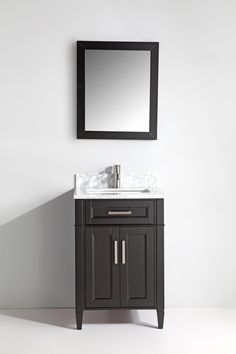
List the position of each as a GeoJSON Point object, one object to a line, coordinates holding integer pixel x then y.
{"type": "Point", "coordinates": [117, 90]}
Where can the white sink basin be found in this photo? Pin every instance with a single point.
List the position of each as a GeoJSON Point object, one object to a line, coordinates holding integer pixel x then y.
{"type": "Point", "coordinates": [117, 190]}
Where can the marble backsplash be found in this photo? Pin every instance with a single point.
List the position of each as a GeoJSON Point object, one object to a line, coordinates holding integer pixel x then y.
{"type": "Point", "coordinates": [105, 179]}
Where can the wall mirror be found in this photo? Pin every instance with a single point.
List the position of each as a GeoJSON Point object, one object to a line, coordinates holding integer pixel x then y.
{"type": "Point", "coordinates": [117, 88]}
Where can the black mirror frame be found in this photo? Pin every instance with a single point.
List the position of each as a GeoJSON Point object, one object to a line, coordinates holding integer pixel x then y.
{"type": "Point", "coordinates": [153, 47]}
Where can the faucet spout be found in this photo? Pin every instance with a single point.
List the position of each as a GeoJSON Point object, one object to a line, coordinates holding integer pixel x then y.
{"type": "Point", "coordinates": [117, 179]}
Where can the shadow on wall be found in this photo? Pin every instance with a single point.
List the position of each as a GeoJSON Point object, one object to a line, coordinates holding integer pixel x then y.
{"type": "Point", "coordinates": [37, 257]}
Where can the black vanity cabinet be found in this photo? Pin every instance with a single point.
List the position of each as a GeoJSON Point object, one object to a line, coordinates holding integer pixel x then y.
{"type": "Point", "coordinates": [119, 255]}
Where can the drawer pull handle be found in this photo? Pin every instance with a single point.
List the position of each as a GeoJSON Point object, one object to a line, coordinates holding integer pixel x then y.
{"type": "Point", "coordinates": [123, 252]}
{"type": "Point", "coordinates": [115, 252]}
{"type": "Point", "coordinates": [119, 212]}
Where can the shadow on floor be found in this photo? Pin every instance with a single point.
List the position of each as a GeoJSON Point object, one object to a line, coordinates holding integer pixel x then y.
{"type": "Point", "coordinates": [66, 317]}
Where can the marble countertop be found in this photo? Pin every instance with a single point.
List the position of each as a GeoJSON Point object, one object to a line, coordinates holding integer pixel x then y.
{"type": "Point", "coordinates": [155, 194]}
{"type": "Point", "coordinates": [105, 179]}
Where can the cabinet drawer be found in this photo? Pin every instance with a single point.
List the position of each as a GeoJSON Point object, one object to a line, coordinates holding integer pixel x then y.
{"type": "Point", "coordinates": [120, 212]}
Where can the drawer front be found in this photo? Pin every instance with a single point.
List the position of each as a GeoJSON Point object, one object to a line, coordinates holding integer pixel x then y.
{"type": "Point", "coordinates": [120, 212]}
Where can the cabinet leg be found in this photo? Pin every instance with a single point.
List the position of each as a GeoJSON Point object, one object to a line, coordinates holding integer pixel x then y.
{"type": "Point", "coordinates": [79, 318]}
{"type": "Point", "coordinates": [160, 318]}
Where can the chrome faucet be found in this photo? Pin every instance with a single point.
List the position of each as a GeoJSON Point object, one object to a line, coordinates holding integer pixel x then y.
{"type": "Point", "coordinates": [117, 182]}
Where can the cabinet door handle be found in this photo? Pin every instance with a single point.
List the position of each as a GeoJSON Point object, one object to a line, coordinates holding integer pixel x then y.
{"type": "Point", "coordinates": [115, 252]}
{"type": "Point", "coordinates": [123, 259]}
{"type": "Point", "coordinates": [119, 212]}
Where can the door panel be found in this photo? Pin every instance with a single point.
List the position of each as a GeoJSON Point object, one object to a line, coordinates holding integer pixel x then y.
{"type": "Point", "coordinates": [138, 267]}
{"type": "Point", "coordinates": [102, 274]}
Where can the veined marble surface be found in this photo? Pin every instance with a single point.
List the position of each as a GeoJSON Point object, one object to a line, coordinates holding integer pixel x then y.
{"type": "Point", "coordinates": [105, 179]}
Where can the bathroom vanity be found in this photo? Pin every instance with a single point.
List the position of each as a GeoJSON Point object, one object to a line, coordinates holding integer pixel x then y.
{"type": "Point", "coordinates": [119, 237]}
{"type": "Point", "coordinates": [119, 222]}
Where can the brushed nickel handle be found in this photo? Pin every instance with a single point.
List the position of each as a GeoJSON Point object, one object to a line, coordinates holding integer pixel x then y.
{"type": "Point", "coordinates": [123, 259]}
{"type": "Point", "coordinates": [115, 252]}
{"type": "Point", "coordinates": [119, 212]}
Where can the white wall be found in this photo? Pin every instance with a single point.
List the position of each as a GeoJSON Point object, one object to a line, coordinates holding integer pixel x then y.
{"type": "Point", "coordinates": [194, 156]}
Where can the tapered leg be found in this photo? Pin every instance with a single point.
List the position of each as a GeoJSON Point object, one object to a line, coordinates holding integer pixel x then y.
{"type": "Point", "coordinates": [79, 318]}
{"type": "Point", "coordinates": [160, 318]}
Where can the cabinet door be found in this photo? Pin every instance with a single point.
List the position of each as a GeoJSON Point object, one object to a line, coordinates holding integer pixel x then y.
{"type": "Point", "coordinates": [137, 266]}
{"type": "Point", "coordinates": [102, 268]}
